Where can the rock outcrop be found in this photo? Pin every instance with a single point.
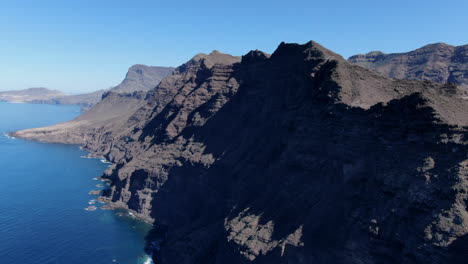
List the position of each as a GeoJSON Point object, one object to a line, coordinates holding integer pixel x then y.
{"type": "Point", "coordinates": [438, 62]}
{"type": "Point", "coordinates": [297, 157]}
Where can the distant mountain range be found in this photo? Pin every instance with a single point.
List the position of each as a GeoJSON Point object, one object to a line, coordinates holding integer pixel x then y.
{"type": "Point", "coordinates": [438, 62]}
{"type": "Point", "coordinates": [139, 78]}
{"type": "Point", "coordinates": [295, 157]}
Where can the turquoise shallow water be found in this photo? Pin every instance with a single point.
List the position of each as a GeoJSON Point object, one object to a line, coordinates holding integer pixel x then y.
{"type": "Point", "coordinates": [43, 192]}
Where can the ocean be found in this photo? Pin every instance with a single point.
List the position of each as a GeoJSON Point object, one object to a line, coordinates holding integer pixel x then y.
{"type": "Point", "coordinates": [44, 190]}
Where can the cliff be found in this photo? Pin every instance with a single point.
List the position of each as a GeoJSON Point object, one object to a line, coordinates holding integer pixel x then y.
{"type": "Point", "coordinates": [297, 157]}
{"type": "Point", "coordinates": [142, 78]}
{"type": "Point", "coordinates": [437, 62]}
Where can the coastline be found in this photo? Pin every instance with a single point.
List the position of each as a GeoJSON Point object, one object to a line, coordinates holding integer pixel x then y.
{"type": "Point", "coordinates": [108, 203]}
{"type": "Point", "coordinates": [66, 197]}
{"type": "Point", "coordinates": [83, 108]}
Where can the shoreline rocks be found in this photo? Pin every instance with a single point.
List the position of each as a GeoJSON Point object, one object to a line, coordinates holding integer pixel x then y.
{"type": "Point", "coordinates": [95, 192]}
{"type": "Point", "coordinates": [91, 208]}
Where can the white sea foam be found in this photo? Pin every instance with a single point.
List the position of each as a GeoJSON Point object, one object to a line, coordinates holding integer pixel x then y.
{"type": "Point", "coordinates": [145, 260]}
{"type": "Point", "coordinates": [148, 260]}
{"type": "Point", "coordinates": [91, 208]}
{"type": "Point", "coordinates": [8, 136]}
{"type": "Point", "coordinates": [105, 161]}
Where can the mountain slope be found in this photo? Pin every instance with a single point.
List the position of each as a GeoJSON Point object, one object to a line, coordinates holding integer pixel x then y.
{"type": "Point", "coordinates": [297, 157]}
{"type": "Point", "coordinates": [438, 62]}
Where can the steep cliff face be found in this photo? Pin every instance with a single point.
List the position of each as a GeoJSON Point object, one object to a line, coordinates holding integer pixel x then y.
{"type": "Point", "coordinates": [142, 78]}
{"type": "Point", "coordinates": [438, 62]}
{"type": "Point", "coordinates": [297, 157]}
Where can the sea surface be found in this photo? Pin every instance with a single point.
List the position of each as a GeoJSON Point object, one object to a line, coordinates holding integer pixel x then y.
{"type": "Point", "coordinates": [43, 195]}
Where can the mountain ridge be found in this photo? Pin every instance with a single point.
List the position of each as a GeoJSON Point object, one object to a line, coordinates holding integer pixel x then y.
{"type": "Point", "coordinates": [297, 157]}
{"type": "Point", "coordinates": [439, 62]}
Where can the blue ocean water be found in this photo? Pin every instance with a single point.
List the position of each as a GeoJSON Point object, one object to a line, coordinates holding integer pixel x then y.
{"type": "Point", "coordinates": [43, 192]}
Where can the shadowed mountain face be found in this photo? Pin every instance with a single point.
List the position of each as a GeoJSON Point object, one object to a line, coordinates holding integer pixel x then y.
{"type": "Point", "coordinates": [297, 157]}
{"type": "Point", "coordinates": [438, 62]}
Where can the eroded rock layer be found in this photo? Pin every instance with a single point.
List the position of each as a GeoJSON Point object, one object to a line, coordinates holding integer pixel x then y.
{"type": "Point", "coordinates": [437, 62]}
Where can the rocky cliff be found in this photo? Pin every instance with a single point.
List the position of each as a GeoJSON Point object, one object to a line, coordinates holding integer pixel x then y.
{"type": "Point", "coordinates": [438, 62]}
{"type": "Point", "coordinates": [142, 78]}
{"type": "Point", "coordinates": [297, 157]}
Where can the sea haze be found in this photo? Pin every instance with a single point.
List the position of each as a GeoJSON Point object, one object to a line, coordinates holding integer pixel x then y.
{"type": "Point", "coordinates": [43, 192]}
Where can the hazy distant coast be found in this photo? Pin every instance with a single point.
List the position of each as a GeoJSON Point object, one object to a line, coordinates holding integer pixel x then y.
{"type": "Point", "coordinates": [138, 78]}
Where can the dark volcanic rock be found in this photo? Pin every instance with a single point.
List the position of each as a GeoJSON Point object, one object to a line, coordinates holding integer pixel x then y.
{"type": "Point", "coordinates": [297, 157]}
{"type": "Point", "coordinates": [438, 62]}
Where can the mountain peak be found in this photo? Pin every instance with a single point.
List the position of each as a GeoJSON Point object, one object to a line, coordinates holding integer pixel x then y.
{"type": "Point", "coordinates": [311, 49]}
{"type": "Point", "coordinates": [375, 53]}
{"type": "Point", "coordinates": [215, 57]}
{"type": "Point", "coordinates": [370, 56]}
{"type": "Point", "coordinates": [138, 66]}
{"type": "Point", "coordinates": [255, 55]}
{"type": "Point", "coordinates": [438, 44]}
{"type": "Point", "coordinates": [440, 47]}
{"type": "Point", "coordinates": [142, 77]}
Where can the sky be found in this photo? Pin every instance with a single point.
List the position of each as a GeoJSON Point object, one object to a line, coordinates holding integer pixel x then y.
{"type": "Point", "coordinates": [83, 46]}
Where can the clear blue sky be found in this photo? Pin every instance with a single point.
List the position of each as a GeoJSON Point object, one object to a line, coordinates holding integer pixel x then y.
{"type": "Point", "coordinates": [78, 46]}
